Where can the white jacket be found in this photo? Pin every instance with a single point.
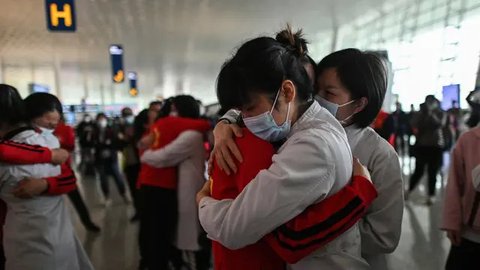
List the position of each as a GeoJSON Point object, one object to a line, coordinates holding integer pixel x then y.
{"type": "Point", "coordinates": [381, 227]}
{"type": "Point", "coordinates": [188, 153]}
{"type": "Point", "coordinates": [38, 233]}
{"type": "Point", "coordinates": [314, 163]}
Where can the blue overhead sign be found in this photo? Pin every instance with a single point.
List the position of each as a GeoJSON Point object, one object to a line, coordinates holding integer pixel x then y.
{"type": "Point", "coordinates": [61, 15]}
{"type": "Point", "coordinates": [132, 77]}
{"type": "Point", "coordinates": [116, 55]}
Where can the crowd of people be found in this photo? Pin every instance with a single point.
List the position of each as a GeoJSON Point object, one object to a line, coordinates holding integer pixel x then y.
{"type": "Point", "coordinates": [286, 185]}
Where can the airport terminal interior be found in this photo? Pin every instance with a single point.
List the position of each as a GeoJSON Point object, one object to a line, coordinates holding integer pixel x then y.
{"type": "Point", "coordinates": [220, 134]}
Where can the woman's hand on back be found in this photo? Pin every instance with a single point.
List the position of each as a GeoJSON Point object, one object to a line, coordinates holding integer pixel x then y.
{"type": "Point", "coordinates": [360, 170]}
{"type": "Point", "coordinates": [225, 149]}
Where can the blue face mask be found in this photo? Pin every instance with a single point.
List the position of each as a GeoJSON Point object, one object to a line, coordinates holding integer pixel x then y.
{"type": "Point", "coordinates": [265, 127]}
{"type": "Point", "coordinates": [333, 108]}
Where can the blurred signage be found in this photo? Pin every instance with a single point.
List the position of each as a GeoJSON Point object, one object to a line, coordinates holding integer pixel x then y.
{"type": "Point", "coordinates": [38, 88]}
{"type": "Point", "coordinates": [132, 77]}
{"type": "Point", "coordinates": [61, 15]}
{"type": "Point", "coordinates": [450, 95]}
{"type": "Point", "coordinates": [116, 55]}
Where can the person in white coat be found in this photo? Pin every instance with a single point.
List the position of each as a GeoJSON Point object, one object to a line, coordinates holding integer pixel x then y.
{"type": "Point", "coordinates": [187, 153]}
{"type": "Point", "coordinates": [351, 84]}
{"type": "Point", "coordinates": [38, 233]}
{"type": "Point", "coordinates": [267, 82]}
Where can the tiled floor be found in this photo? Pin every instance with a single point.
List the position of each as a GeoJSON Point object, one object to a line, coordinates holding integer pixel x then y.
{"type": "Point", "coordinates": [422, 246]}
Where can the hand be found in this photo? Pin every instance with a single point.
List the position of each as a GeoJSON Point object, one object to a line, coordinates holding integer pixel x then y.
{"type": "Point", "coordinates": [30, 187]}
{"type": "Point", "coordinates": [455, 237]}
{"type": "Point", "coordinates": [146, 142]}
{"type": "Point", "coordinates": [225, 147]}
{"type": "Point", "coordinates": [59, 156]}
{"type": "Point", "coordinates": [204, 192]}
{"type": "Point", "coordinates": [360, 170]}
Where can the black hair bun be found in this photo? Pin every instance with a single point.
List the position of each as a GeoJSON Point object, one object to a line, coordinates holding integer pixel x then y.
{"type": "Point", "coordinates": [293, 41]}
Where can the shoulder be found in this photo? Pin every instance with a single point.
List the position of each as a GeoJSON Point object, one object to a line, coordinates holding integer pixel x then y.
{"type": "Point", "coordinates": [250, 141]}
{"type": "Point", "coordinates": [380, 148]}
{"type": "Point", "coordinates": [31, 137]}
{"type": "Point", "coordinates": [191, 135]}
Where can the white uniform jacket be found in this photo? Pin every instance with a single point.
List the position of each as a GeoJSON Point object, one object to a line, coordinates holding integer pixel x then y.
{"type": "Point", "coordinates": [38, 233]}
{"type": "Point", "coordinates": [381, 227]}
{"type": "Point", "coordinates": [188, 153]}
{"type": "Point", "coordinates": [314, 163]}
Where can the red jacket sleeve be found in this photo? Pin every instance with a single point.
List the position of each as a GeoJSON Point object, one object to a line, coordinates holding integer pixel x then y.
{"type": "Point", "coordinates": [66, 136]}
{"type": "Point", "coordinates": [20, 153]}
{"type": "Point", "coordinates": [323, 222]}
{"type": "Point", "coordinates": [257, 156]}
{"type": "Point", "coordinates": [63, 183]}
{"type": "Point", "coordinates": [193, 124]}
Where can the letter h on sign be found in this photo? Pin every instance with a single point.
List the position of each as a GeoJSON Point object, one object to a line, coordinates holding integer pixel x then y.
{"type": "Point", "coordinates": [60, 15]}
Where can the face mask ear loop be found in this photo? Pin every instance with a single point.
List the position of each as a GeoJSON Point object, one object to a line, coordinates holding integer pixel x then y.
{"type": "Point", "coordinates": [288, 112]}
{"type": "Point", "coordinates": [275, 101]}
{"type": "Point", "coordinates": [348, 103]}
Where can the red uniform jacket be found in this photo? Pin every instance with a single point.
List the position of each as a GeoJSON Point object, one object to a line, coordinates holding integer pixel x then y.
{"type": "Point", "coordinates": [316, 226]}
{"type": "Point", "coordinates": [165, 131]}
{"type": "Point", "coordinates": [19, 153]}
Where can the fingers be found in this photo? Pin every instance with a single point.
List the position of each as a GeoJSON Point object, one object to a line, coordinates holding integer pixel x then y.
{"type": "Point", "coordinates": [21, 193]}
{"type": "Point", "coordinates": [222, 163]}
{"type": "Point", "coordinates": [226, 155]}
{"type": "Point", "coordinates": [233, 148]}
{"type": "Point", "coordinates": [236, 130]}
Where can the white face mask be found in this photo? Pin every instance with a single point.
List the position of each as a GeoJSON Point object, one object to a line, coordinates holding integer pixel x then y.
{"type": "Point", "coordinates": [333, 108]}
{"type": "Point", "coordinates": [103, 123]}
{"type": "Point", "coordinates": [129, 119]}
{"type": "Point", "coordinates": [265, 127]}
{"type": "Point", "coordinates": [46, 131]}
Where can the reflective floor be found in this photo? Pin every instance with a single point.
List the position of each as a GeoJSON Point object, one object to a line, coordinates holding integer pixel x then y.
{"type": "Point", "coordinates": [422, 246]}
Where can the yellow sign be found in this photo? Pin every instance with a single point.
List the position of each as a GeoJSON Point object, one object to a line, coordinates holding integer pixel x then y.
{"type": "Point", "coordinates": [119, 76]}
{"type": "Point", "coordinates": [66, 15]}
{"type": "Point", "coordinates": [60, 15]}
{"type": "Point", "coordinates": [133, 92]}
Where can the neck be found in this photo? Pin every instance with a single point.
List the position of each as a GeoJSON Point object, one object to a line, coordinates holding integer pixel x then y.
{"type": "Point", "coordinates": [301, 109]}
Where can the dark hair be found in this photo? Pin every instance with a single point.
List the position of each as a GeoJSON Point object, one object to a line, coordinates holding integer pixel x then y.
{"type": "Point", "coordinates": [287, 37]}
{"type": "Point", "coordinates": [126, 111]}
{"type": "Point", "coordinates": [473, 99]}
{"type": "Point", "coordinates": [12, 106]}
{"type": "Point", "coordinates": [39, 104]}
{"type": "Point", "coordinates": [139, 125]}
{"type": "Point", "coordinates": [187, 106]}
{"type": "Point", "coordinates": [101, 114]}
{"type": "Point", "coordinates": [259, 67]}
{"type": "Point", "coordinates": [155, 102]}
{"type": "Point", "coordinates": [364, 74]}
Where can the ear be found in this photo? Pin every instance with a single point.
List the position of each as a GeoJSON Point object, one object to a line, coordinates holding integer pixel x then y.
{"type": "Point", "coordinates": [289, 91]}
{"type": "Point", "coordinates": [361, 104]}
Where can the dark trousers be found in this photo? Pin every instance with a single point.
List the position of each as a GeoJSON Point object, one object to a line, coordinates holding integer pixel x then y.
{"type": "Point", "coordinates": [131, 173]}
{"type": "Point", "coordinates": [2, 257]}
{"type": "Point", "coordinates": [80, 206]}
{"type": "Point", "coordinates": [110, 168]}
{"type": "Point", "coordinates": [158, 225]}
{"type": "Point", "coordinates": [464, 257]}
{"type": "Point", "coordinates": [432, 158]}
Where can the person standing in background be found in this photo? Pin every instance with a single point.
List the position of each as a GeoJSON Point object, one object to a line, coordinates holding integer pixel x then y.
{"type": "Point", "coordinates": [131, 162]}
{"type": "Point", "coordinates": [66, 136]}
{"type": "Point", "coordinates": [84, 131]}
{"type": "Point", "coordinates": [428, 126]}
{"type": "Point", "coordinates": [461, 215]}
{"type": "Point", "coordinates": [107, 145]}
{"type": "Point", "coordinates": [188, 153]}
{"type": "Point", "coordinates": [399, 123]}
